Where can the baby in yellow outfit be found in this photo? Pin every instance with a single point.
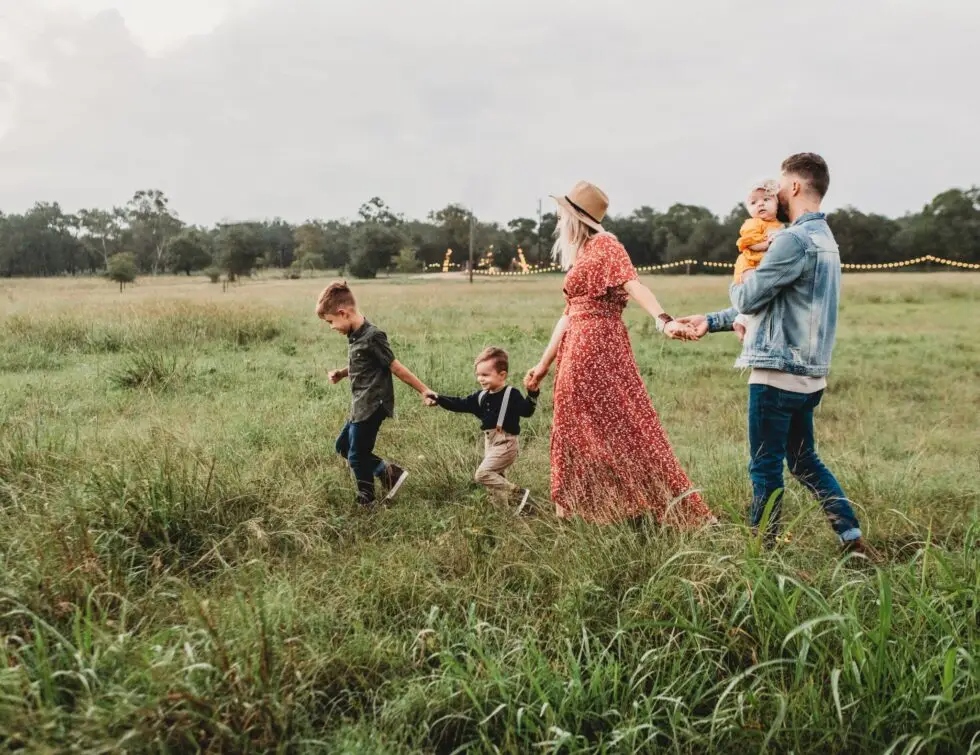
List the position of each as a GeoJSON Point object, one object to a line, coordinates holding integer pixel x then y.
{"type": "Point", "coordinates": [756, 233]}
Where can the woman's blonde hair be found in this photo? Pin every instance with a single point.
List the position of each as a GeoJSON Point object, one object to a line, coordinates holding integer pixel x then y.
{"type": "Point", "coordinates": [570, 234]}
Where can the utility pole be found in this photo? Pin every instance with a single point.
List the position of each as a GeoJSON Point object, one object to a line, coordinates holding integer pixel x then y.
{"type": "Point", "coordinates": [472, 232]}
{"type": "Point", "coordinates": [539, 232]}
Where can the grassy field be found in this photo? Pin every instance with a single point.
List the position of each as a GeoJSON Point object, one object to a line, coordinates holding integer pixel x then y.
{"type": "Point", "coordinates": [182, 567]}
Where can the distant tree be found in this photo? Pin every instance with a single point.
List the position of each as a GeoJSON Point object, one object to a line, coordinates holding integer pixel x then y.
{"type": "Point", "coordinates": [121, 269]}
{"type": "Point", "coordinates": [311, 246]}
{"type": "Point", "coordinates": [239, 245]}
{"type": "Point", "coordinates": [708, 240]}
{"type": "Point", "coordinates": [454, 223]}
{"type": "Point", "coordinates": [869, 238]}
{"type": "Point", "coordinates": [734, 219]}
{"type": "Point", "coordinates": [948, 227]}
{"type": "Point", "coordinates": [188, 251]}
{"type": "Point", "coordinates": [407, 261]}
{"type": "Point", "coordinates": [42, 241]}
{"type": "Point", "coordinates": [524, 234]}
{"type": "Point", "coordinates": [498, 242]}
{"type": "Point", "coordinates": [151, 224]}
{"type": "Point", "coordinates": [724, 248]}
{"type": "Point", "coordinates": [546, 231]}
{"type": "Point", "coordinates": [339, 243]}
{"type": "Point", "coordinates": [427, 240]}
{"type": "Point", "coordinates": [680, 222]}
{"type": "Point", "coordinates": [374, 248]}
{"type": "Point", "coordinates": [376, 212]}
{"type": "Point", "coordinates": [101, 232]}
{"type": "Point", "coordinates": [641, 233]}
{"type": "Point", "coordinates": [45, 240]}
{"type": "Point", "coordinates": [280, 244]}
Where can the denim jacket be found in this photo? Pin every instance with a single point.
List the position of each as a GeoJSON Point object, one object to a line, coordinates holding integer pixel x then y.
{"type": "Point", "coordinates": [794, 292]}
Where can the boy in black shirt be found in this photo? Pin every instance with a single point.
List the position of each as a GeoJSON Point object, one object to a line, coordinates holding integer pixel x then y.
{"type": "Point", "coordinates": [499, 407]}
{"type": "Point", "coordinates": [371, 364]}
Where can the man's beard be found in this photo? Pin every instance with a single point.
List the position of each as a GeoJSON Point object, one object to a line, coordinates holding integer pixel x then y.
{"type": "Point", "coordinates": [782, 211]}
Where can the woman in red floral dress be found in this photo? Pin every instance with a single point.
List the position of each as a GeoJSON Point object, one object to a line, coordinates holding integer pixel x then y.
{"type": "Point", "coordinates": [610, 457]}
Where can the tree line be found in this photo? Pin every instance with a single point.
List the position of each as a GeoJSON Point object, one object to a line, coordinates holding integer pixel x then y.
{"type": "Point", "coordinates": [146, 236]}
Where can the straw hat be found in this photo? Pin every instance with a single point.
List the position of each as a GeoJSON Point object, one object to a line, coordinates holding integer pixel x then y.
{"type": "Point", "coordinates": [587, 202]}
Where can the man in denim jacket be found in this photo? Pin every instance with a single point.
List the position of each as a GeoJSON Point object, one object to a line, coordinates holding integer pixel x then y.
{"type": "Point", "coordinates": [795, 293]}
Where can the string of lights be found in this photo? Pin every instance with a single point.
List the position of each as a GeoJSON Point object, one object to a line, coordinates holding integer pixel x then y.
{"type": "Point", "coordinates": [666, 266]}
{"type": "Point", "coordinates": [532, 270]}
{"type": "Point", "coordinates": [915, 261]}
{"type": "Point", "coordinates": [446, 266]}
{"type": "Point", "coordinates": [727, 265]}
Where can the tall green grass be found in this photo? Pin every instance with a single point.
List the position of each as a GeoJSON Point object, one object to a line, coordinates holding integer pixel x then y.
{"type": "Point", "coordinates": [182, 567]}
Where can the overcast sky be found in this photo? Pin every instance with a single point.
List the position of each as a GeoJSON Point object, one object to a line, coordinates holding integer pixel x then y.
{"type": "Point", "coordinates": [244, 109]}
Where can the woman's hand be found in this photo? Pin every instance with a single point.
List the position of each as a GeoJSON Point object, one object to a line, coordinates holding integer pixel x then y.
{"type": "Point", "coordinates": [680, 331]}
{"type": "Point", "coordinates": [532, 381]}
{"type": "Point", "coordinates": [698, 323]}
{"type": "Point", "coordinates": [645, 298]}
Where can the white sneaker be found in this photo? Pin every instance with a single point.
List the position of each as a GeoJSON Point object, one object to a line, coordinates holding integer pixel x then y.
{"type": "Point", "coordinates": [525, 507]}
{"type": "Point", "coordinates": [395, 477]}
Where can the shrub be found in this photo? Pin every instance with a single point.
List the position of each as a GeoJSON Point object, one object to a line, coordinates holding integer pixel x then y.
{"type": "Point", "coordinates": [121, 269]}
{"type": "Point", "coordinates": [147, 370]}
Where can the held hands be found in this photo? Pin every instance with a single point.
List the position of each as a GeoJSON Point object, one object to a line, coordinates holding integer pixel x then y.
{"type": "Point", "coordinates": [532, 381]}
{"type": "Point", "coordinates": [680, 331]}
{"type": "Point", "coordinates": [430, 398]}
{"type": "Point", "coordinates": [698, 325]}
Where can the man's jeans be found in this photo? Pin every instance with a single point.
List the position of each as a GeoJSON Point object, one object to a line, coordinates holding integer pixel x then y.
{"type": "Point", "coordinates": [781, 428]}
{"type": "Point", "coordinates": [356, 444]}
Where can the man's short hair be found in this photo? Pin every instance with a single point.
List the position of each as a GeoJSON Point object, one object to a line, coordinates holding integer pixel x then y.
{"type": "Point", "coordinates": [501, 362]}
{"type": "Point", "coordinates": [812, 169]}
{"type": "Point", "coordinates": [333, 298]}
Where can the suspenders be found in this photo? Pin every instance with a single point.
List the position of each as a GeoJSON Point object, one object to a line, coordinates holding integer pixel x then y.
{"type": "Point", "coordinates": [503, 406]}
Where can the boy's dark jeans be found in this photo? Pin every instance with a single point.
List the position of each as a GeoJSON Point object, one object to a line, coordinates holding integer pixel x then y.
{"type": "Point", "coordinates": [781, 428]}
{"type": "Point", "coordinates": [356, 444]}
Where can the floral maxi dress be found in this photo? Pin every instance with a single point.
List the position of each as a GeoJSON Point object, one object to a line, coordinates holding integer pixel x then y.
{"type": "Point", "coordinates": [610, 457]}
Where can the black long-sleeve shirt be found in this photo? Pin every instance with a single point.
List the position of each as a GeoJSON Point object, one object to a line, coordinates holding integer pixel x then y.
{"type": "Point", "coordinates": [488, 410]}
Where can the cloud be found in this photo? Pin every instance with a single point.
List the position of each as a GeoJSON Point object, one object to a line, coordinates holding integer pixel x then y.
{"type": "Point", "coordinates": [302, 108]}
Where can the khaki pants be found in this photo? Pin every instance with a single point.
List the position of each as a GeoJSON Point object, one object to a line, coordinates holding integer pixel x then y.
{"type": "Point", "coordinates": [500, 452]}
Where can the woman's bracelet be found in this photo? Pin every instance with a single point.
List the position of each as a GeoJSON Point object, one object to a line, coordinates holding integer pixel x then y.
{"type": "Point", "coordinates": [662, 319]}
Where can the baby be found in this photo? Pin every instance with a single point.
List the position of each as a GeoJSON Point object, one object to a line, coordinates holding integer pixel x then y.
{"type": "Point", "coordinates": [756, 233]}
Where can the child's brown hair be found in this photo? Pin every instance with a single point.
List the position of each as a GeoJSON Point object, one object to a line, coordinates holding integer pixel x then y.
{"type": "Point", "coordinates": [501, 362]}
{"type": "Point", "coordinates": [333, 298]}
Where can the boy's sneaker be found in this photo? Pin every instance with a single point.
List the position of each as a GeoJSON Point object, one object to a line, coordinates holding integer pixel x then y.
{"type": "Point", "coordinates": [769, 538]}
{"type": "Point", "coordinates": [862, 548]}
{"type": "Point", "coordinates": [365, 503]}
{"type": "Point", "coordinates": [524, 505]}
{"type": "Point", "coordinates": [392, 480]}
